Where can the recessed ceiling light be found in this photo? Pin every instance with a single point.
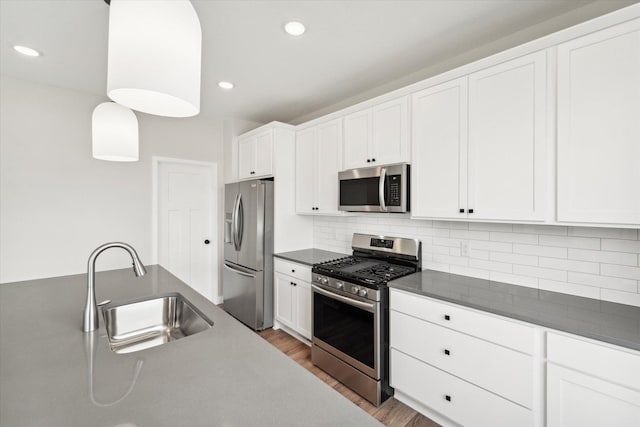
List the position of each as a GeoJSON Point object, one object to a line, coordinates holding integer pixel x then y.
{"type": "Point", "coordinates": [295, 28]}
{"type": "Point", "coordinates": [26, 51]}
{"type": "Point", "coordinates": [226, 85]}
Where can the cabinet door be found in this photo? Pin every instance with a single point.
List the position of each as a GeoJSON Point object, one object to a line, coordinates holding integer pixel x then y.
{"type": "Point", "coordinates": [328, 161]}
{"type": "Point", "coordinates": [389, 135]}
{"type": "Point", "coordinates": [303, 308]}
{"type": "Point", "coordinates": [507, 140]}
{"type": "Point", "coordinates": [264, 154]}
{"type": "Point", "coordinates": [439, 138]}
{"type": "Point", "coordinates": [284, 299]}
{"type": "Point", "coordinates": [575, 399]}
{"type": "Point", "coordinates": [305, 171]}
{"type": "Point", "coordinates": [599, 127]}
{"type": "Point", "coordinates": [246, 157]}
{"type": "Point", "coordinates": [357, 133]}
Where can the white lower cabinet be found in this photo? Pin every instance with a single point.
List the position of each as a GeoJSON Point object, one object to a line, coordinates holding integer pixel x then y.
{"type": "Point", "coordinates": [463, 365]}
{"type": "Point", "coordinates": [591, 384]}
{"type": "Point", "coordinates": [292, 287]}
{"type": "Point", "coordinates": [454, 398]}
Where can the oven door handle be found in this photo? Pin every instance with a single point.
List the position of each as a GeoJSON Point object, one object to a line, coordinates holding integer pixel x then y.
{"type": "Point", "coordinates": [371, 307]}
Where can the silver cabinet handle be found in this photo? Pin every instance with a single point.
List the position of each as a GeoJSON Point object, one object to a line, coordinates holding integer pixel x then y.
{"type": "Point", "coordinates": [383, 176]}
{"type": "Point", "coordinates": [242, 273]}
{"type": "Point", "coordinates": [364, 305]}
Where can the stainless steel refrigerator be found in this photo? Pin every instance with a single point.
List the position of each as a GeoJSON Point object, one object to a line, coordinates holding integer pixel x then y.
{"type": "Point", "coordinates": [247, 286]}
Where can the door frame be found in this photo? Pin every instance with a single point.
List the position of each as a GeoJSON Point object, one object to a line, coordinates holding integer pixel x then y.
{"type": "Point", "coordinates": [155, 168]}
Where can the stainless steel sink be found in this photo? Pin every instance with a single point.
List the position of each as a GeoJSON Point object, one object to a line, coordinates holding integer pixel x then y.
{"type": "Point", "coordinates": [152, 321]}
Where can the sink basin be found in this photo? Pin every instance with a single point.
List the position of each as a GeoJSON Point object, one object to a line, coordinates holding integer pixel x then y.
{"type": "Point", "coordinates": [151, 321]}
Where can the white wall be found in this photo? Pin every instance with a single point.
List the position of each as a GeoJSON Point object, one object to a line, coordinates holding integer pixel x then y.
{"type": "Point", "coordinates": [600, 263]}
{"type": "Point", "coordinates": [57, 203]}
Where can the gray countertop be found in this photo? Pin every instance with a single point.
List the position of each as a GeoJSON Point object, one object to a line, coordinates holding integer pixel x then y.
{"type": "Point", "coordinates": [310, 256]}
{"type": "Point", "coordinates": [602, 320]}
{"type": "Point", "coordinates": [225, 376]}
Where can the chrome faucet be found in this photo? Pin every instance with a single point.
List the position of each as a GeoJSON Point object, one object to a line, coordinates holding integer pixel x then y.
{"type": "Point", "coordinates": [90, 318]}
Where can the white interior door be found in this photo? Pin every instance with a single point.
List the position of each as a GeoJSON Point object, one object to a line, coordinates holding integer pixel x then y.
{"type": "Point", "coordinates": [187, 238]}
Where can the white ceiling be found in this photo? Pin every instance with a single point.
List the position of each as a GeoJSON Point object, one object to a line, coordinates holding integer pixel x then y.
{"type": "Point", "coordinates": [349, 48]}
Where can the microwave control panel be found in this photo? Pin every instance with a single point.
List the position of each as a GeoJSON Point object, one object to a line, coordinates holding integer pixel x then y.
{"type": "Point", "coordinates": [394, 190]}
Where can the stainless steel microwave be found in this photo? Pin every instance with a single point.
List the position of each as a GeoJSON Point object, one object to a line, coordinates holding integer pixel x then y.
{"type": "Point", "coordinates": [375, 189]}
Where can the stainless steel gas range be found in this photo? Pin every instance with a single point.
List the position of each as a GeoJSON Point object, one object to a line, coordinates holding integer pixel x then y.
{"type": "Point", "coordinates": [351, 312]}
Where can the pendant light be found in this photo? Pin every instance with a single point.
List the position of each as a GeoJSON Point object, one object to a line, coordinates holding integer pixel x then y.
{"type": "Point", "coordinates": [154, 56]}
{"type": "Point", "coordinates": [114, 131]}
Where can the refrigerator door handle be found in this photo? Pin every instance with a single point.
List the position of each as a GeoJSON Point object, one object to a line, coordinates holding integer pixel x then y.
{"type": "Point", "coordinates": [234, 220]}
{"type": "Point", "coordinates": [242, 273]}
{"type": "Point", "coordinates": [240, 219]}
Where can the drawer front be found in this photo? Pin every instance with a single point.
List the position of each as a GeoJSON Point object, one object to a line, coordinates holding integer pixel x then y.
{"type": "Point", "coordinates": [299, 271]}
{"type": "Point", "coordinates": [621, 366]}
{"type": "Point", "coordinates": [498, 369]}
{"type": "Point", "coordinates": [482, 325]}
{"type": "Point", "coordinates": [468, 405]}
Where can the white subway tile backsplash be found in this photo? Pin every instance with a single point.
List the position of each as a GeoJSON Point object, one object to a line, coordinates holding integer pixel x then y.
{"type": "Point", "coordinates": [491, 265]}
{"type": "Point", "coordinates": [623, 271]}
{"type": "Point", "coordinates": [489, 226]}
{"type": "Point", "coordinates": [514, 279]}
{"type": "Point", "coordinates": [570, 242]}
{"type": "Point", "coordinates": [468, 271]}
{"type": "Point", "coordinates": [513, 237]}
{"type": "Point", "coordinates": [603, 281]}
{"type": "Point", "coordinates": [443, 241]}
{"type": "Point", "coordinates": [547, 251]}
{"type": "Point", "coordinates": [554, 230]}
{"type": "Point", "coordinates": [570, 265]}
{"type": "Point", "coordinates": [479, 254]}
{"type": "Point", "coordinates": [452, 260]}
{"type": "Point", "coordinates": [632, 246]}
{"type": "Point", "coordinates": [621, 258]}
{"type": "Point", "coordinates": [569, 288]}
{"type": "Point", "coordinates": [491, 246]}
{"type": "Point", "coordinates": [451, 225]}
{"type": "Point", "coordinates": [611, 233]}
{"type": "Point", "coordinates": [433, 265]}
{"type": "Point", "coordinates": [599, 263]}
{"type": "Point", "coordinates": [514, 258]}
{"type": "Point", "coordinates": [467, 234]}
{"type": "Point", "coordinates": [541, 273]}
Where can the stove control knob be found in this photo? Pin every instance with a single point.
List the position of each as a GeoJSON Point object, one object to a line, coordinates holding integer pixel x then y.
{"type": "Point", "coordinates": [363, 292]}
{"type": "Point", "coordinates": [355, 290]}
{"type": "Point", "coordinates": [323, 280]}
{"type": "Point", "coordinates": [340, 285]}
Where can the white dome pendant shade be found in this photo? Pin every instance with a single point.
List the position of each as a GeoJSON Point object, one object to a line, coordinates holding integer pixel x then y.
{"type": "Point", "coordinates": [154, 59]}
{"type": "Point", "coordinates": [114, 131]}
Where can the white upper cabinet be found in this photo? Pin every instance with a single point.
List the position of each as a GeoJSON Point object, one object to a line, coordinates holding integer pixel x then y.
{"type": "Point", "coordinates": [255, 153]}
{"type": "Point", "coordinates": [507, 140]}
{"type": "Point", "coordinates": [439, 151]}
{"type": "Point", "coordinates": [599, 127]}
{"type": "Point", "coordinates": [318, 160]}
{"type": "Point", "coordinates": [377, 136]}
{"type": "Point", "coordinates": [479, 144]}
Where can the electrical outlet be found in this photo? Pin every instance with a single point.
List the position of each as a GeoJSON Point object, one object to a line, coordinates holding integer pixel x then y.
{"type": "Point", "coordinates": [464, 248]}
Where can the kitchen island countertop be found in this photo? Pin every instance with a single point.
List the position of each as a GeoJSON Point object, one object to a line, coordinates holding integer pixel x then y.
{"type": "Point", "coordinates": [53, 374]}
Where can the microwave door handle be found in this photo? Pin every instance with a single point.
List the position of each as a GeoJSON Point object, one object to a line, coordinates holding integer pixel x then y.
{"type": "Point", "coordinates": [381, 192]}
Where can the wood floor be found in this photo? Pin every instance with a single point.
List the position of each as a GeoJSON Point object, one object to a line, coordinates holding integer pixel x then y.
{"type": "Point", "coordinates": [391, 413]}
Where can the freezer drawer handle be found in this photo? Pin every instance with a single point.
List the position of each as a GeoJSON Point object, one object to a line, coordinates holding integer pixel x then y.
{"type": "Point", "coordinates": [242, 273]}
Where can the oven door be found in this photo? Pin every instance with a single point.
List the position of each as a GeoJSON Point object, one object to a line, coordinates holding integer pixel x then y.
{"type": "Point", "coordinates": [348, 328]}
